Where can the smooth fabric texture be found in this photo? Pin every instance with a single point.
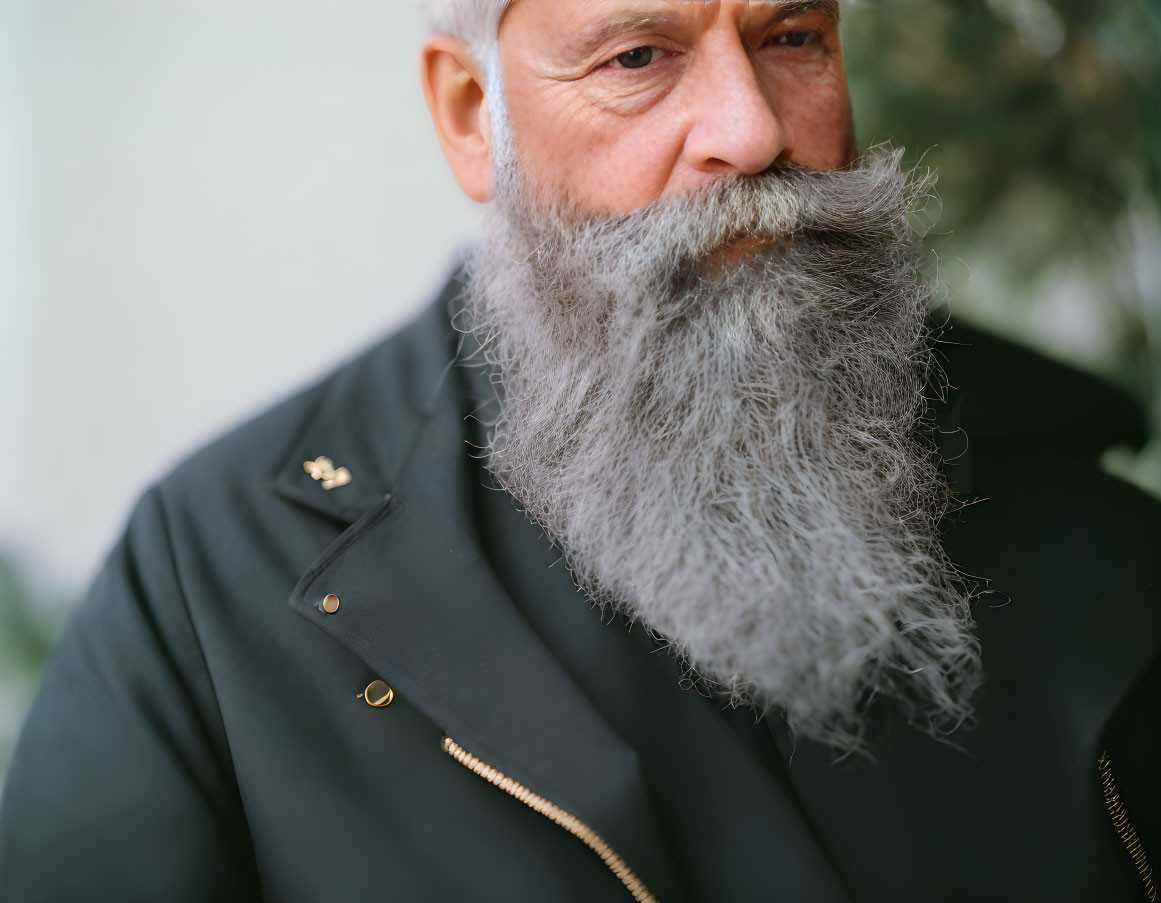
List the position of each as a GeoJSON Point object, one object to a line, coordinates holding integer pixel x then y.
{"type": "Point", "coordinates": [197, 737]}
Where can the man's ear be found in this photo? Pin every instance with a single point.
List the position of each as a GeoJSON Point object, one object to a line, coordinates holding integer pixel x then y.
{"type": "Point", "coordinates": [453, 84]}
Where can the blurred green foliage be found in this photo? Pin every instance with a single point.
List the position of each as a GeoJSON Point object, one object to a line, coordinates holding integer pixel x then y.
{"type": "Point", "coordinates": [1059, 100]}
{"type": "Point", "coordinates": [1043, 119]}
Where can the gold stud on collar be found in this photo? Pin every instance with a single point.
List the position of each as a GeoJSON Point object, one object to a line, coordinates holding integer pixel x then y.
{"type": "Point", "coordinates": [323, 469]}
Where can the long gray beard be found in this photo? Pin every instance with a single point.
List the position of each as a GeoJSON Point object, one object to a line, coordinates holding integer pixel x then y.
{"type": "Point", "coordinates": [738, 456]}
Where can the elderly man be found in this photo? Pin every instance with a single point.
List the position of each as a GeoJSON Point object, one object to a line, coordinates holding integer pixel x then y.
{"type": "Point", "coordinates": [650, 562]}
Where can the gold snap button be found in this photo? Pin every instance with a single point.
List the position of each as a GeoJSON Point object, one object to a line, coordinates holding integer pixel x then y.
{"type": "Point", "coordinates": [378, 694]}
{"type": "Point", "coordinates": [330, 603]}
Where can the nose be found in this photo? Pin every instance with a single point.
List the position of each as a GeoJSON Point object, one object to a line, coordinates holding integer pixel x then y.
{"type": "Point", "coordinates": [737, 128]}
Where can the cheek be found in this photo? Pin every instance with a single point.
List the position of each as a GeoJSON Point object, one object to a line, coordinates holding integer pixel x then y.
{"type": "Point", "coordinates": [601, 161]}
{"type": "Point", "coordinates": [820, 119]}
{"type": "Point", "coordinates": [622, 169]}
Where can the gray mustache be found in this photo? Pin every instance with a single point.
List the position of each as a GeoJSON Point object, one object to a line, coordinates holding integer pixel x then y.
{"type": "Point", "coordinates": [836, 221]}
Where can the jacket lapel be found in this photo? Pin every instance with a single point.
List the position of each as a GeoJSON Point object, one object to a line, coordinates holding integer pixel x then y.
{"type": "Point", "coordinates": [422, 607]}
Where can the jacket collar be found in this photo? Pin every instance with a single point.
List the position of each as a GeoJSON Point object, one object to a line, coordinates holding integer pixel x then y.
{"type": "Point", "coordinates": [422, 607]}
{"type": "Point", "coordinates": [369, 414]}
{"type": "Point", "coordinates": [1004, 396]}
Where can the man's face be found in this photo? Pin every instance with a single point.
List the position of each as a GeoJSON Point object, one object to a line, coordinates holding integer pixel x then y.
{"type": "Point", "coordinates": [617, 103]}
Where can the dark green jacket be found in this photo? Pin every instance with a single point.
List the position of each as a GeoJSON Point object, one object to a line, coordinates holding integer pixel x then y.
{"type": "Point", "coordinates": [201, 732]}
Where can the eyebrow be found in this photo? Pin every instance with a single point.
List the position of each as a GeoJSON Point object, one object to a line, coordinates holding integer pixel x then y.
{"type": "Point", "coordinates": [829, 8]}
{"type": "Point", "coordinates": [591, 39]}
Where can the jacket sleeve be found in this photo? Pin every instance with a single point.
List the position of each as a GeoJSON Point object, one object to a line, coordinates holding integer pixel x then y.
{"type": "Point", "coordinates": [121, 786]}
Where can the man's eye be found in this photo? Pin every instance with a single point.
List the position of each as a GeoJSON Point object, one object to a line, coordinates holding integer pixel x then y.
{"type": "Point", "coordinates": [794, 38]}
{"type": "Point", "coordinates": [637, 58]}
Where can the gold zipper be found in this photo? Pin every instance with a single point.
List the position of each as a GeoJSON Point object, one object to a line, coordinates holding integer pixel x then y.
{"type": "Point", "coordinates": [570, 823]}
{"type": "Point", "coordinates": [1123, 827]}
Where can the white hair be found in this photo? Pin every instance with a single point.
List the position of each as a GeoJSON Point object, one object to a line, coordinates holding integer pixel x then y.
{"type": "Point", "coordinates": [476, 22]}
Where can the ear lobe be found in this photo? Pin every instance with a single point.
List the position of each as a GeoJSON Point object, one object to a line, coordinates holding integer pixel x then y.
{"type": "Point", "coordinates": [453, 84]}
